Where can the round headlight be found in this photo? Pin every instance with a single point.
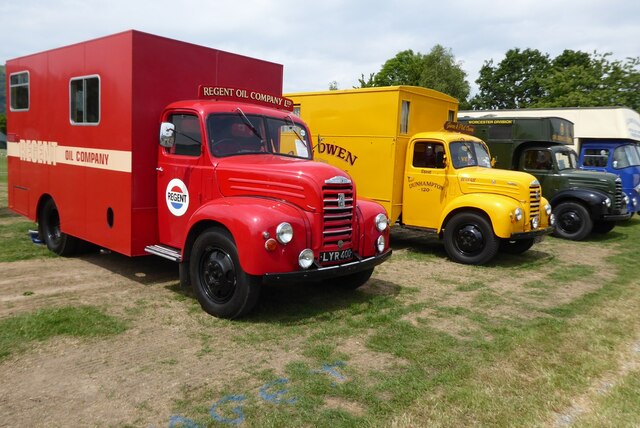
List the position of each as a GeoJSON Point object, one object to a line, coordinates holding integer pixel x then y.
{"type": "Point", "coordinates": [547, 209]}
{"type": "Point", "coordinates": [552, 220]}
{"type": "Point", "coordinates": [518, 214]}
{"type": "Point", "coordinates": [381, 222]}
{"type": "Point", "coordinates": [284, 233]}
{"type": "Point", "coordinates": [626, 199]}
{"type": "Point", "coordinates": [380, 242]}
{"type": "Point", "coordinates": [534, 223]}
{"type": "Point", "coordinates": [635, 202]}
{"type": "Point", "coordinates": [607, 202]}
{"type": "Point", "coordinates": [305, 259]}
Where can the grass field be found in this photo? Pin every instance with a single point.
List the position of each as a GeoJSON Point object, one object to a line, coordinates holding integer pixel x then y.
{"type": "Point", "coordinates": [549, 338]}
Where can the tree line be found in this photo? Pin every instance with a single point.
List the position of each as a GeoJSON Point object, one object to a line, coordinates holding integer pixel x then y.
{"type": "Point", "coordinates": [522, 79]}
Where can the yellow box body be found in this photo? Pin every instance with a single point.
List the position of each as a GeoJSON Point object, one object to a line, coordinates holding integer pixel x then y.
{"type": "Point", "coordinates": [371, 134]}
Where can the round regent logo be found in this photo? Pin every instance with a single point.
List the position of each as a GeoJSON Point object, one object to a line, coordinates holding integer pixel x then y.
{"type": "Point", "coordinates": [177, 197]}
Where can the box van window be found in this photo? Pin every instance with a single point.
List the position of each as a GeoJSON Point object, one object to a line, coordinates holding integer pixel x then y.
{"type": "Point", "coordinates": [19, 91]}
{"type": "Point", "coordinates": [404, 119]}
{"type": "Point", "coordinates": [84, 93]}
{"type": "Point", "coordinates": [188, 135]}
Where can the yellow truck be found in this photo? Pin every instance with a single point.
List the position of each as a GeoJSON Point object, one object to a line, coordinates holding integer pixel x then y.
{"type": "Point", "coordinates": [392, 141]}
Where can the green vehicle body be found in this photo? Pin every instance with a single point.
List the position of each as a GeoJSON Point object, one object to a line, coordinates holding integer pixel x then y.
{"type": "Point", "coordinates": [582, 201]}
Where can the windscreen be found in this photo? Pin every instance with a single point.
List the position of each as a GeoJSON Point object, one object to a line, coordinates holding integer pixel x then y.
{"type": "Point", "coordinates": [625, 156]}
{"type": "Point", "coordinates": [239, 134]}
{"type": "Point", "coordinates": [469, 153]}
{"type": "Point", "coordinates": [566, 160]}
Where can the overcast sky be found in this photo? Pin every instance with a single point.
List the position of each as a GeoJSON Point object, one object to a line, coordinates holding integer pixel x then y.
{"type": "Point", "coordinates": [330, 40]}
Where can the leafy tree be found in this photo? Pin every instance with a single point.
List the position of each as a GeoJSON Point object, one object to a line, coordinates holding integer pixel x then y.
{"type": "Point", "coordinates": [436, 70]}
{"type": "Point", "coordinates": [578, 79]}
{"type": "Point", "coordinates": [3, 123]}
{"type": "Point", "coordinates": [516, 82]}
{"type": "Point", "coordinates": [333, 85]}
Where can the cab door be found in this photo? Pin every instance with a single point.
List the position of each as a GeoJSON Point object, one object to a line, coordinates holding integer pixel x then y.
{"type": "Point", "coordinates": [179, 179]}
{"type": "Point", "coordinates": [425, 184]}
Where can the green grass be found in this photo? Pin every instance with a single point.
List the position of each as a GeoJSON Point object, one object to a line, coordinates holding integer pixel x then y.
{"type": "Point", "coordinates": [504, 358]}
{"type": "Point", "coordinates": [86, 321]}
{"type": "Point", "coordinates": [15, 243]}
{"type": "Point", "coordinates": [3, 166]}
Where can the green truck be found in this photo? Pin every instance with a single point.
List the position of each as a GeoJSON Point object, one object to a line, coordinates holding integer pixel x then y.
{"type": "Point", "coordinates": [582, 201]}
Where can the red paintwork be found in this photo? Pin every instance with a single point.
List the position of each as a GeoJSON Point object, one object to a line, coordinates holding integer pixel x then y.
{"type": "Point", "coordinates": [142, 76]}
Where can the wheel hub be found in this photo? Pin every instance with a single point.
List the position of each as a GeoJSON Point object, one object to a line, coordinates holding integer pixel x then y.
{"type": "Point", "coordinates": [219, 276]}
{"type": "Point", "coordinates": [469, 239]}
{"type": "Point", "coordinates": [570, 221]}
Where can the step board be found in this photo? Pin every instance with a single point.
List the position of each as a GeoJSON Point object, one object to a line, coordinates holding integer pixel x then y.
{"type": "Point", "coordinates": [164, 251]}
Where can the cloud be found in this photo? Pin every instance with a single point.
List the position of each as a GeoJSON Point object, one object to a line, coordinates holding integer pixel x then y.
{"type": "Point", "coordinates": [332, 40]}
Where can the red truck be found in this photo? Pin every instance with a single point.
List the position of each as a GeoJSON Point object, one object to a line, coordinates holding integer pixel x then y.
{"type": "Point", "coordinates": [146, 145]}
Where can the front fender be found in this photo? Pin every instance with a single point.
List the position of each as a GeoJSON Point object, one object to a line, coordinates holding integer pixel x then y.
{"type": "Point", "coordinates": [367, 211]}
{"type": "Point", "coordinates": [593, 199]}
{"type": "Point", "coordinates": [497, 207]}
{"type": "Point", "coordinates": [251, 221]}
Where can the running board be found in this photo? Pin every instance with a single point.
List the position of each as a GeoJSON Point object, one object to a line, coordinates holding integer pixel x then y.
{"type": "Point", "coordinates": [165, 252]}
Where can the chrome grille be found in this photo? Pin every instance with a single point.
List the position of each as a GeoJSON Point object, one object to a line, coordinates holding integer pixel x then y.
{"type": "Point", "coordinates": [618, 198]}
{"type": "Point", "coordinates": [535, 196]}
{"type": "Point", "coordinates": [338, 214]}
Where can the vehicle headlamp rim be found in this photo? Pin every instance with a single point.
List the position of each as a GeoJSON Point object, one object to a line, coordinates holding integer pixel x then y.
{"type": "Point", "coordinates": [306, 258]}
{"type": "Point", "coordinates": [382, 222]}
{"type": "Point", "coordinates": [284, 233]}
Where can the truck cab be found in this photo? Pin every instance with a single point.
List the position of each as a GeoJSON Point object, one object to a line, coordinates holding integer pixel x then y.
{"type": "Point", "coordinates": [621, 157]}
{"type": "Point", "coordinates": [582, 201]}
{"type": "Point", "coordinates": [476, 209]}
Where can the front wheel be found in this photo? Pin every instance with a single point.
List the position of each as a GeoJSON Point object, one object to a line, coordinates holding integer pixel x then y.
{"type": "Point", "coordinates": [51, 233]}
{"type": "Point", "coordinates": [354, 280]}
{"type": "Point", "coordinates": [516, 247]}
{"type": "Point", "coordinates": [222, 288]}
{"type": "Point", "coordinates": [469, 239]}
{"type": "Point", "coordinates": [572, 221]}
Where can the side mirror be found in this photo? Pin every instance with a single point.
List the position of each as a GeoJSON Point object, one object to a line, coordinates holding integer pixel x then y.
{"type": "Point", "coordinates": [167, 134]}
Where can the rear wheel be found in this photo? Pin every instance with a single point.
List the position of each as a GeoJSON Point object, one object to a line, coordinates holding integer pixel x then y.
{"type": "Point", "coordinates": [469, 239]}
{"type": "Point", "coordinates": [51, 233]}
{"type": "Point", "coordinates": [572, 221]}
{"type": "Point", "coordinates": [516, 247]}
{"type": "Point", "coordinates": [222, 288]}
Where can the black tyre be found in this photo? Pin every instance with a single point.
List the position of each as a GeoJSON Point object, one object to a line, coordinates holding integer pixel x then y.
{"type": "Point", "coordinates": [516, 247]}
{"type": "Point", "coordinates": [469, 239]}
{"type": "Point", "coordinates": [603, 226]}
{"type": "Point", "coordinates": [222, 288]}
{"type": "Point", "coordinates": [572, 221]}
{"type": "Point", "coordinates": [352, 281]}
{"type": "Point", "coordinates": [51, 233]}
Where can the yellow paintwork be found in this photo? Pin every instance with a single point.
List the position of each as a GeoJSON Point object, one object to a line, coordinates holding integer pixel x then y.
{"type": "Point", "coordinates": [359, 131]}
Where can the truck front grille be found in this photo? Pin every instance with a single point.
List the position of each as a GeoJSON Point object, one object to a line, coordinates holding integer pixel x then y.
{"type": "Point", "coordinates": [618, 198]}
{"type": "Point", "coordinates": [535, 195]}
{"type": "Point", "coordinates": [338, 215]}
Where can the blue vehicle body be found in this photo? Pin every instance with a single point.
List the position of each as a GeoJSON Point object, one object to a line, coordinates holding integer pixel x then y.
{"type": "Point", "coordinates": [618, 156]}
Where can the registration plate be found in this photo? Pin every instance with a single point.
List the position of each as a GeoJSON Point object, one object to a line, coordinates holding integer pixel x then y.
{"type": "Point", "coordinates": [336, 256]}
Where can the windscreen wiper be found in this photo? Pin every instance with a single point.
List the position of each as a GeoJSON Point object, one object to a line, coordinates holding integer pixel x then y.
{"type": "Point", "coordinates": [249, 124]}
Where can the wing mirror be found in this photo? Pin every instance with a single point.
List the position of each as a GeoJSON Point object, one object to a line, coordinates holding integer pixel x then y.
{"type": "Point", "coordinates": [167, 134]}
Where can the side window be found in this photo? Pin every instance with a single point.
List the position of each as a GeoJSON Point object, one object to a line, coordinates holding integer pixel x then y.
{"type": "Point", "coordinates": [84, 97]}
{"type": "Point", "coordinates": [428, 155]}
{"type": "Point", "coordinates": [451, 116]}
{"type": "Point", "coordinates": [596, 157]}
{"type": "Point", "coordinates": [19, 91]}
{"type": "Point", "coordinates": [404, 118]}
{"type": "Point", "coordinates": [537, 159]}
{"type": "Point", "coordinates": [188, 135]}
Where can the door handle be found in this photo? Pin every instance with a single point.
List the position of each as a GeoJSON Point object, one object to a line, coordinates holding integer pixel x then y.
{"type": "Point", "coordinates": [159, 169]}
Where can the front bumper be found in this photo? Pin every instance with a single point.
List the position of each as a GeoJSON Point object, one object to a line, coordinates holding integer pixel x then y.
{"type": "Point", "coordinates": [616, 217]}
{"type": "Point", "coordinates": [532, 234]}
{"type": "Point", "coordinates": [316, 274]}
